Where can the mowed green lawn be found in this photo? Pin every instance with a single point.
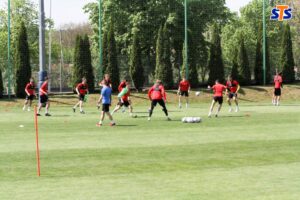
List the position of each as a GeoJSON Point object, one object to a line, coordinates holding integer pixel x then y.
{"type": "Point", "coordinates": [253, 154]}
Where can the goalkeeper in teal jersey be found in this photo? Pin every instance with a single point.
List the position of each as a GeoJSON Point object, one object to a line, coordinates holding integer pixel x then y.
{"type": "Point", "coordinates": [123, 96]}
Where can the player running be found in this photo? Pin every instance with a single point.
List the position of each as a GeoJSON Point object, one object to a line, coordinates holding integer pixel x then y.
{"type": "Point", "coordinates": [82, 90]}
{"type": "Point", "coordinates": [44, 100]}
{"type": "Point", "coordinates": [30, 94]}
{"type": "Point", "coordinates": [218, 97]}
{"type": "Point", "coordinates": [277, 89]}
{"type": "Point", "coordinates": [156, 95]}
{"type": "Point", "coordinates": [183, 90]}
{"type": "Point", "coordinates": [233, 88]}
{"type": "Point", "coordinates": [105, 99]}
{"type": "Point", "coordinates": [123, 96]}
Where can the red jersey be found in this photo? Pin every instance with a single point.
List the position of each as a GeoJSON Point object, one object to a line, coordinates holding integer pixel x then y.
{"type": "Point", "coordinates": [121, 86]}
{"type": "Point", "coordinates": [184, 86]}
{"type": "Point", "coordinates": [30, 88]}
{"type": "Point", "coordinates": [44, 88]}
{"type": "Point", "coordinates": [125, 97]}
{"type": "Point", "coordinates": [157, 92]}
{"type": "Point", "coordinates": [232, 86]}
{"type": "Point", "coordinates": [82, 88]}
{"type": "Point", "coordinates": [218, 90]}
{"type": "Point", "coordinates": [277, 81]}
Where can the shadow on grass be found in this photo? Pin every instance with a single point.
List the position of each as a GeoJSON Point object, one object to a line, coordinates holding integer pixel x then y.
{"type": "Point", "coordinates": [126, 125]}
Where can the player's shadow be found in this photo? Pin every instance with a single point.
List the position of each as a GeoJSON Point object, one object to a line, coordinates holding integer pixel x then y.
{"type": "Point", "coordinates": [233, 116]}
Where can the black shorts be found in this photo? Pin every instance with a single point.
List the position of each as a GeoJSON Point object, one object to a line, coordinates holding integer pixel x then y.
{"type": "Point", "coordinates": [105, 107]}
{"type": "Point", "coordinates": [81, 97]}
{"type": "Point", "coordinates": [277, 92]}
{"type": "Point", "coordinates": [43, 99]}
{"type": "Point", "coordinates": [161, 102]}
{"type": "Point", "coordinates": [218, 99]}
{"type": "Point", "coordinates": [30, 97]}
{"type": "Point", "coordinates": [184, 93]}
{"type": "Point", "coordinates": [231, 95]}
{"type": "Point", "coordinates": [124, 103]}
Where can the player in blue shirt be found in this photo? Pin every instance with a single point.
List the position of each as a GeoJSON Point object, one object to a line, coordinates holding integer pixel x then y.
{"type": "Point", "coordinates": [105, 99]}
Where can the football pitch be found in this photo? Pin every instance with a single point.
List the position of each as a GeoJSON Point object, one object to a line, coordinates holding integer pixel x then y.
{"type": "Point", "coordinates": [252, 154]}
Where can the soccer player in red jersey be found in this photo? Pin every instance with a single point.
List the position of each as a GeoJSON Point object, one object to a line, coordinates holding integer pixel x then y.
{"type": "Point", "coordinates": [233, 88]}
{"type": "Point", "coordinates": [124, 99]}
{"type": "Point", "coordinates": [156, 95]}
{"type": "Point", "coordinates": [30, 94]}
{"type": "Point", "coordinates": [44, 100]}
{"type": "Point", "coordinates": [82, 90]}
{"type": "Point", "coordinates": [277, 88]}
{"type": "Point", "coordinates": [218, 97]}
{"type": "Point", "coordinates": [107, 79]}
{"type": "Point", "coordinates": [183, 90]}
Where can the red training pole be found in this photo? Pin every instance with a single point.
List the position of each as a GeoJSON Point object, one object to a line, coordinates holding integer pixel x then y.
{"type": "Point", "coordinates": [37, 142]}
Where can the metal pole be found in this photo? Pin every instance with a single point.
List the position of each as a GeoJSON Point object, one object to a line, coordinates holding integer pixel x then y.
{"type": "Point", "coordinates": [50, 48]}
{"type": "Point", "coordinates": [186, 41]}
{"type": "Point", "coordinates": [100, 41]}
{"type": "Point", "coordinates": [8, 52]}
{"type": "Point", "coordinates": [61, 61]}
{"type": "Point", "coordinates": [42, 73]}
{"type": "Point", "coordinates": [264, 42]}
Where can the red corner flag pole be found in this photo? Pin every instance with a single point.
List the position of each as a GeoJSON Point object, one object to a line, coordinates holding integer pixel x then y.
{"type": "Point", "coordinates": [37, 142]}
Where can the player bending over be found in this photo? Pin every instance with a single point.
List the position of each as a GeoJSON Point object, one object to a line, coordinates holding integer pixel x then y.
{"type": "Point", "coordinates": [277, 89]}
{"type": "Point", "coordinates": [183, 90]}
{"type": "Point", "coordinates": [124, 99]}
{"type": "Point", "coordinates": [233, 88]}
{"type": "Point", "coordinates": [30, 94]}
{"type": "Point", "coordinates": [82, 90]}
{"type": "Point", "coordinates": [105, 99]}
{"type": "Point", "coordinates": [44, 100]}
{"type": "Point", "coordinates": [218, 97]}
{"type": "Point", "coordinates": [156, 95]}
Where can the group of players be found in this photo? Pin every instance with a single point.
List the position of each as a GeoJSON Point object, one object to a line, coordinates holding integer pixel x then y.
{"type": "Point", "coordinates": [156, 95]}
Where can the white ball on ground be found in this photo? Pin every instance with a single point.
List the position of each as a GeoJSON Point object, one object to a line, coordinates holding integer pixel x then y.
{"type": "Point", "coordinates": [197, 93]}
{"type": "Point", "coordinates": [21, 126]}
{"type": "Point", "coordinates": [184, 120]}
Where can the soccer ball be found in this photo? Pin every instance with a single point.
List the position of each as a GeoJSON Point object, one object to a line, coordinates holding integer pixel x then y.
{"type": "Point", "coordinates": [197, 94]}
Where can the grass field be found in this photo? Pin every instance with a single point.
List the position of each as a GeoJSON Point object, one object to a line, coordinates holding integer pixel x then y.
{"type": "Point", "coordinates": [250, 155]}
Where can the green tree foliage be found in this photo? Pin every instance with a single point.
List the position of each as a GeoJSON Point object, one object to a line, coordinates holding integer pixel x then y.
{"type": "Point", "coordinates": [136, 69]}
{"type": "Point", "coordinates": [215, 63]}
{"type": "Point", "coordinates": [287, 57]}
{"type": "Point", "coordinates": [112, 58]}
{"type": "Point", "coordinates": [104, 52]}
{"type": "Point", "coordinates": [258, 67]}
{"type": "Point", "coordinates": [22, 62]}
{"type": "Point", "coordinates": [1, 84]}
{"type": "Point", "coordinates": [235, 67]}
{"type": "Point", "coordinates": [87, 64]}
{"type": "Point", "coordinates": [163, 69]}
{"type": "Point", "coordinates": [244, 72]}
{"type": "Point", "coordinates": [78, 71]}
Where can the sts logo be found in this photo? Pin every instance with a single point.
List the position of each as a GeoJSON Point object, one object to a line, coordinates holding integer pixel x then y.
{"type": "Point", "coordinates": [281, 12]}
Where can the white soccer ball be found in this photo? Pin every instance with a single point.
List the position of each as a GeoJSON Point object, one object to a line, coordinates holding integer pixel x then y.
{"type": "Point", "coordinates": [184, 120]}
{"type": "Point", "coordinates": [197, 94]}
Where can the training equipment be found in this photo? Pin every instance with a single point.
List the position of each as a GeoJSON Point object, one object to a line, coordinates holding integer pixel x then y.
{"type": "Point", "coordinates": [37, 141]}
{"type": "Point", "coordinates": [21, 126]}
{"type": "Point", "coordinates": [191, 119]}
{"type": "Point", "coordinates": [197, 93]}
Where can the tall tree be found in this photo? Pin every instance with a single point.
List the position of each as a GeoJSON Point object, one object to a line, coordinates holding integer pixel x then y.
{"type": "Point", "coordinates": [104, 52]}
{"type": "Point", "coordinates": [235, 66]}
{"type": "Point", "coordinates": [164, 70]}
{"type": "Point", "coordinates": [1, 84]}
{"type": "Point", "coordinates": [215, 64]}
{"type": "Point", "coordinates": [136, 69]}
{"type": "Point", "coordinates": [78, 71]}
{"type": "Point", "coordinates": [112, 58]}
{"type": "Point", "coordinates": [258, 67]}
{"type": "Point", "coordinates": [22, 62]}
{"type": "Point", "coordinates": [287, 57]}
{"type": "Point", "coordinates": [87, 64]}
{"type": "Point", "coordinates": [245, 72]}
{"type": "Point", "coordinates": [258, 71]}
